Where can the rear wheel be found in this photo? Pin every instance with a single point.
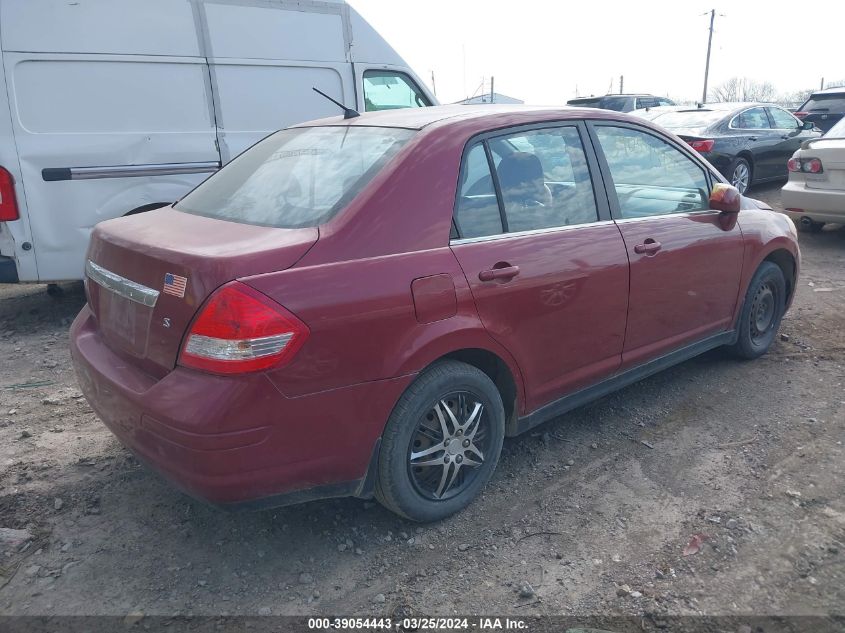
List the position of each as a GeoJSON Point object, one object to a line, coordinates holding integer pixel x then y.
{"type": "Point", "coordinates": [740, 174]}
{"type": "Point", "coordinates": [762, 312]}
{"type": "Point", "coordinates": [441, 443]}
{"type": "Point", "coordinates": [810, 227]}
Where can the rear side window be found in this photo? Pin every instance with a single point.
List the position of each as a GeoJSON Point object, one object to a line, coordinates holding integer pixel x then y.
{"type": "Point", "coordinates": [296, 178]}
{"type": "Point", "coordinates": [783, 120]}
{"type": "Point", "coordinates": [543, 180]}
{"type": "Point", "coordinates": [825, 103]}
{"type": "Point", "coordinates": [477, 209]}
{"type": "Point", "coordinates": [614, 103]}
{"type": "Point", "coordinates": [390, 90]}
{"type": "Point", "coordinates": [752, 119]}
{"type": "Point", "coordinates": [650, 176]}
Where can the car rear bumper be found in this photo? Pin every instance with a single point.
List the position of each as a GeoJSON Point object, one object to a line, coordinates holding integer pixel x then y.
{"type": "Point", "coordinates": [235, 440]}
{"type": "Point", "coordinates": [819, 205]}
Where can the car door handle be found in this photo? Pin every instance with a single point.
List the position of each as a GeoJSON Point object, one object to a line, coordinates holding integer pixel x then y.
{"type": "Point", "coordinates": [649, 247]}
{"type": "Point", "coordinates": [505, 273]}
{"type": "Point", "coordinates": [785, 136]}
{"type": "Point", "coordinates": [752, 138]}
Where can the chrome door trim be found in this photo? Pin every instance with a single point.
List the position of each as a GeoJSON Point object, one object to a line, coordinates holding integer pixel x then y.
{"type": "Point", "coordinates": [121, 286]}
{"type": "Point", "coordinates": [504, 236]}
{"type": "Point", "coordinates": [128, 171]}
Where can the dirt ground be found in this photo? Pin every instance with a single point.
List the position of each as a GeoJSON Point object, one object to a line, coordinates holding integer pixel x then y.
{"type": "Point", "coordinates": [588, 514]}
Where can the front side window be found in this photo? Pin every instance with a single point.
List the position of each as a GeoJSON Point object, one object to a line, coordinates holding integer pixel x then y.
{"type": "Point", "coordinates": [751, 119]}
{"type": "Point", "coordinates": [650, 176]}
{"type": "Point", "coordinates": [299, 177]}
{"type": "Point", "coordinates": [391, 90]}
{"type": "Point", "coordinates": [783, 120]}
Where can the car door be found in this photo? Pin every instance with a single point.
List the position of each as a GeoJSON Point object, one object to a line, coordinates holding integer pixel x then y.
{"type": "Point", "coordinates": [791, 135]}
{"type": "Point", "coordinates": [545, 262]}
{"type": "Point", "coordinates": [685, 267]}
{"type": "Point", "coordinates": [761, 140]}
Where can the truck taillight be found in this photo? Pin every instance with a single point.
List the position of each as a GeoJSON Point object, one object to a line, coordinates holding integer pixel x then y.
{"type": "Point", "coordinates": [8, 202]}
{"type": "Point", "coordinates": [705, 145]}
{"type": "Point", "coordinates": [805, 165]}
{"type": "Point", "coordinates": [241, 330]}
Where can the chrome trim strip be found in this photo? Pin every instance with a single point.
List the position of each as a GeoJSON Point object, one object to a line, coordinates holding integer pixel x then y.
{"type": "Point", "coordinates": [504, 236]}
{"type": "Point", "coordinates": [121, 285]}
{"type": "Point", "coordinates": [136, 171]}
{"type": "Point", "coordinates": [685, 214]}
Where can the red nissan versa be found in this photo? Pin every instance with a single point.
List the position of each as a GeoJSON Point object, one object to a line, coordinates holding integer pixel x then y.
{"type": "Point", "coordinates": [369, 306]}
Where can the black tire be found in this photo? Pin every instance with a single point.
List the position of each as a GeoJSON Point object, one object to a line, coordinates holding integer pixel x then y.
{"type": "Point", "coordinates": [416, 423]}
{"type": "Point", "coordinates": [738, 167]}
{"type": "Point", "coordinates": [762, 311]}
{"type": "Point", "coordinates": [812, 227]}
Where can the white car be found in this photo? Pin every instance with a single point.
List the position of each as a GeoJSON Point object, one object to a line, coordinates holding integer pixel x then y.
{"type": "Point", "coordinates": [113, 108]}
{"type": "Point", "coordinates": [815, 193]}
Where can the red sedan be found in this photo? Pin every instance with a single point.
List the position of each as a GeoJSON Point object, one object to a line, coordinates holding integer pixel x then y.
{"type": "Point", "coordinates": [368, 306]}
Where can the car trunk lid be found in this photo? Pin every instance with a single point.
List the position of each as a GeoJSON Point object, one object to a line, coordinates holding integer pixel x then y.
{"type": "Point", "coordinates": [148, 275]}
{"type": "Point", "coordinates": [831, 153]}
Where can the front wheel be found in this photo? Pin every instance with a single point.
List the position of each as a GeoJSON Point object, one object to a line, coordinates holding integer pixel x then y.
{"type": "Point", "coordinates": [762, 311]}
{"type": "Point", "coordinates": [740, 174]}
{"type": "Point", "coordinates": [441, 443]}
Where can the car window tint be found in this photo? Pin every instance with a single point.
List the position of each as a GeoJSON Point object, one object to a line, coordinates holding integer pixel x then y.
{"type": "Point", "coordinates": [752, 119]}
{"type": "Point", "coordinates": [389, 90]}
{"type": "Point", "coordinates": [614, 103]}
{"type": "Point", "coordinates": [825, 103]}
{"type": "Point", "coordinates": [477, 209]}
{"type": "Point", "coordinates": [544, 179]}
{"type": "Point", "coordinates": [650, 176]}
{"type": "Point", "coordinates": [782, 119]}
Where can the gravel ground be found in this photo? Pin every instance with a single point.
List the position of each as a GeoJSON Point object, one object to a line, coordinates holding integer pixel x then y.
{"type": "Point", "coordinates": [589, 514]}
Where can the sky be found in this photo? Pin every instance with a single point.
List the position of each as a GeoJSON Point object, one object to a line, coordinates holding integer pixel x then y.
{"type": "Point", "coordinates": [548, 51]}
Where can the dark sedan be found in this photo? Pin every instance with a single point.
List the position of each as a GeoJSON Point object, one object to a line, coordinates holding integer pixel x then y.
{"type": "Point", "coordinates": [749, 143]}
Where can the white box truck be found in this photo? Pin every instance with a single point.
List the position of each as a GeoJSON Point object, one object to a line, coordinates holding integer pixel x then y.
{"type": "Point", "coordinates": [114, 107]}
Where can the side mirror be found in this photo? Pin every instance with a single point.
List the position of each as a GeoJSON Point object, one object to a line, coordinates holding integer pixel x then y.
{"type": "Point", "coordinates": [725, 198]}
{"type": "Point", "coordinates": [807, 125]}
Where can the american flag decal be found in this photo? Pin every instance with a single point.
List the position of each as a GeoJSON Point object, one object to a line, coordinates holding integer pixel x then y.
{"type": "Point", "coordinates": [175, 285]}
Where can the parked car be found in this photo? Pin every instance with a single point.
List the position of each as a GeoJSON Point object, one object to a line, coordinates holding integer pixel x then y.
{"type": "Point", "coordinates": [815, 193]}
{"type": "Point", "coordinates": [748, 143]}
{"type": "Point", "coordinates": [824, 108]}
{"type": "Point", "coordinates": [110, 109]}
{"type": "Point", "coordinates": [621, 102]}
{"type": "Point", "coordinates": [368, 306]}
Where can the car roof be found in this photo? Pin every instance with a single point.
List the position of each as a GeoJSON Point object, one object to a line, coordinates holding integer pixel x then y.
{"type": "Point", "coordinates": [419, 118]}
{"type": "Point", "coordinates": [829, 91]}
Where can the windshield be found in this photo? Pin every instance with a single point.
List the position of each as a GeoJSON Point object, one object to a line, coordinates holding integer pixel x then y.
{"type": "Point", "coordinates": [691, 118]}
{"type": "Point", "coordinates": [837, 131]}
{"type": "Point", "coordinates": [296, 178]}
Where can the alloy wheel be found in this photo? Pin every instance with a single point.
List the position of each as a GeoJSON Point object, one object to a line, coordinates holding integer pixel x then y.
{"type": "Point", "coordinates": [449, 446]}
{"type": "Point", "coordinates": [741, 177]}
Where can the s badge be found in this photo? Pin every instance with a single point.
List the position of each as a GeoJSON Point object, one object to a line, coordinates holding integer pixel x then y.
{"type": "Point", "coordinates": [165, 322]}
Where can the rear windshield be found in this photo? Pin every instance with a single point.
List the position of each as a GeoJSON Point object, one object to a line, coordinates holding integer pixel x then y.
{"type": "Point", "coordinates": [691, 118]}
{"type": "Point", "coordinates": [825, 103]}
{"type": "Point", "coordinates": [296, 178]}
{"type": "Point", "coordinates": [837, 131]}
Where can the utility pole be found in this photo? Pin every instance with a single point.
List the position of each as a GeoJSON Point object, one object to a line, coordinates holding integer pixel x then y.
{"type": "Point", "coordinates": [621, 84]}
{"type": "Point", "coordinates": [492, 93]}
{"type": "Point", "coordinates": [707, 66]}
{"type": "Point", "coordinates": [822, 86]}
{"type": "Point", "coordinates": [433, 85]}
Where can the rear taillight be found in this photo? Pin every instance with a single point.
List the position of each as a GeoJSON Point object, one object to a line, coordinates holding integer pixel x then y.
{"type": "Point", "coordinates": [800, 115]}
{"type": "Point", "coordinates": [8, 202]}
{"type": "Point", "coordinates": [805, 165]}
{"type": "Point", "coordinates": [241, 330]}
{"type": "Point", "coordinates": [703, 145]}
